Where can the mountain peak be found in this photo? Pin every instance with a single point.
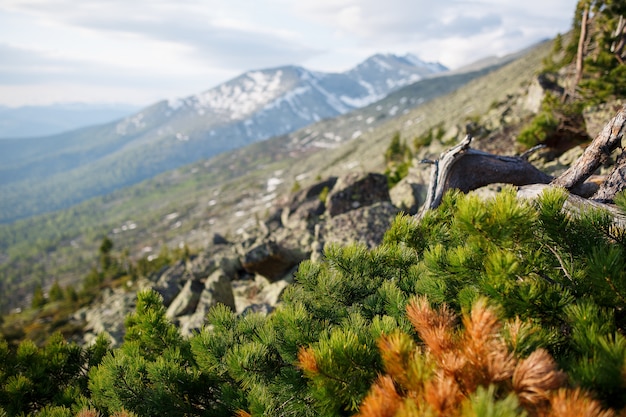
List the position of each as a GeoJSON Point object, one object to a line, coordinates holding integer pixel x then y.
{"type": "Point", "coordinates": [389, 60]}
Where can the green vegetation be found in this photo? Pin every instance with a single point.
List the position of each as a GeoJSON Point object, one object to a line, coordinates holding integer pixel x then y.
{"type": "Point", "coordinates": [51, 313]}
{"type": "Point", "coordinates": [540, 294]}
{"type": "Point", "coordinates": [596, 53]}
{"type": "Point", "coordinates": [427, 138]}
{"type": "Point", "coordinates": [604, 73]}
{"type": "Point", "coordinates": [557, 123]}
{"type": "Point", "coordinates": [398, 158]}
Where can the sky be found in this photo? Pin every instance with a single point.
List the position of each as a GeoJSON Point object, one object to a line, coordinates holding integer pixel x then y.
{"type": "Point", "coordinates": [142, 51]}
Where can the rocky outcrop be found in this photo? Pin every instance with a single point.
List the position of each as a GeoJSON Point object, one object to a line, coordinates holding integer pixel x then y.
{"type": "Point", "coordinates": [356, 190]}
{"type": "Point", "coordinates": [271, 260]}
{"type": "Point", "coordinates": [308, 204]}
{"type": "Point", "coordinates": [410, 193]}
{"type": "Point", "coordinates": [250, 275]}
{"type": "Point", "coordinates": [365, 225]}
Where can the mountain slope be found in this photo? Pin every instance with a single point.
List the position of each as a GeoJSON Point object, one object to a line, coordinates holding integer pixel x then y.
{"type": "Point", "coordinates": [48, 173]}
{"type": "Point", "coordinates": [229, 193]}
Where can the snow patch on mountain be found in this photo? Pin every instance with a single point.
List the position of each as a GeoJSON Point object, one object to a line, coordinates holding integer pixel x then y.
{"type": "Point", "coordinates": [242, 97]}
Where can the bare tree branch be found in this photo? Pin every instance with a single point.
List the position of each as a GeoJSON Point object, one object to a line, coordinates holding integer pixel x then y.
{"type": "Point", "coordinates": [596, 153]}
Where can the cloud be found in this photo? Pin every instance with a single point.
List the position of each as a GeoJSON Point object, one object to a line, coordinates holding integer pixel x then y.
{"type": "Point", "coordinates": [20, 65]}
{"type": "Point", "coordinates": [424, 26]}
{"type": "Point", "coordinates": [162, 46]}
{"type": "Point", "coordinates": [206, 31]}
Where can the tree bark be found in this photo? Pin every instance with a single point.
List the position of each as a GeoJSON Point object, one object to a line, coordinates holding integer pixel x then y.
{"type": "Point", "coordinates": [581, 46]}
{"type": "Point", "coordinates": [615, 182]}
{"type": "Point", "coordinates": [596, 153]}
{"type": "Point", "coordinates": [468, 169]}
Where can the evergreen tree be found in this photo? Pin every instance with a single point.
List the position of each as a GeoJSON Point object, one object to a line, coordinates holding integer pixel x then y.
{"type": "Point", "coordinates": [153, 373]}
{"type": "Point", "coordinates": [35, 379]}
{"type": "Point", "coordinates": [39, 299]}
{"type": "Point", "coordinates": [56, 292]}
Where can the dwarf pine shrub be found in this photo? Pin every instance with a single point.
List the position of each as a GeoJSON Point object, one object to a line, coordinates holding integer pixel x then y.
{"type": "Point", "coordinates": [482, 307]}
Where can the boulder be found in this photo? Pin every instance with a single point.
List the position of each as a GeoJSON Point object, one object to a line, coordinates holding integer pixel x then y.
{"type": "Point", "coordinates": [218, 239]}
{"type": "Point", "coordinates": [217, 289]}
{"type": "Point", "coordinates": [366, 225]}
{"type": "Point", "coordinates": [596, 116]}
{"type": "Point", "coordinates": [410, 193]}
{"type": "Point", "coordinates": [205, 264]}
{"type": "Point", "coordinates": [271, 259]}
{"type": "Point", "coordinates": [170, 281]}
{"type": "Point", "coordinates": [356, 190]}
{"type": "Point", "coordinates": [306, 204]}
{"type": "Point", "coordinates": [108, 315]}
{"type": "Point", "coordinates": [186, 300]}
{"type": "Point", "coordinates": [259, 295]}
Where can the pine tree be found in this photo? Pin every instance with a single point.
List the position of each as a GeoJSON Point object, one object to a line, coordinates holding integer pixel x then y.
{"type": "Point", "coordinates": [153, 373]}
{"type": "Point", "coordinates": [44, 380]}
{"type": "Point", "coordinates": [56, 292]}
{"type": "Point", "coordinates": [39, 299]}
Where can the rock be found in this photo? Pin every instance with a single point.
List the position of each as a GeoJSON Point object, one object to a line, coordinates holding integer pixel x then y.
{"type": "Point", "coordinates": [186, 300]}
{"type": "Point", "coordinates": [219, 239]}
{"type": "Point", "coordinates": [271, 259]}
{"type": "Point", "coordinates": [170, 281]}
{"type": "Point", "coordinates": [356, 190]}
{"type": "Point", "coordinates": [411, 191]}
{"type": "Point", "coordinates": [274, 219]}
{"type": "Point", "coordinates": [534, 97]}
{"type": "Point", "coordinates": [597, 116]}
{"type": "Point", "coordinates": [217, 289]}
{"type": "Point", "coordinates": [259, 295]}
{"type": "Point", "coordinates": [306, 204]}
{"type": "Point", "coordinates": [108, 315]}
{"type": "Point", "coordinates": [366, 225]}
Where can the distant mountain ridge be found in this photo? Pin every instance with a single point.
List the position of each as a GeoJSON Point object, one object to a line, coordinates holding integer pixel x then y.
{"type": "Point", "coordinates": [44, 120]}
{"type": "Point", "coordinates": [64, 169]}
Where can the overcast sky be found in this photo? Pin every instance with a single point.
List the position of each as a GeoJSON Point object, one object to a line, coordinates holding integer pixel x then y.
{"type": "Point", "coordinates": [141, 51]}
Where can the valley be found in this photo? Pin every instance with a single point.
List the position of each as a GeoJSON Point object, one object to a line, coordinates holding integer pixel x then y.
{"type": "Point", "coordinates": [187, 206]}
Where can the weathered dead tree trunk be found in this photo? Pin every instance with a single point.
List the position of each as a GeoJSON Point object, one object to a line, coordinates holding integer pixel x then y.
{"type": "Point", "coordinates": [468, 169]}
{"type": "Point", "coordinates": [574, 203]}
{"type": "Point", "coordinates": [581, 46]}
{"type": "Point", "coordinates": [596, 153]}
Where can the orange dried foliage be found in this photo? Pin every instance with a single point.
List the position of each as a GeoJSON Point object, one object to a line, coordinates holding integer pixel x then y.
{"type": "Point", "coordinates": [535, 377]}
{"type": "Point", "coordinates": [443, 396]}
{"type": "Point", "coordinates": [383, 399]}
{"type": "Point", "coordinates": [457, 363]}
{"type": "Point", "coordinates": [307, 361]}
{"type": "Point", "coordinates": [576, 403]}
{"type": "Point", "coordinates": [436, 328]}
{"type": "Point", "coordinates": [242, 413]}
{"type": "Point", "coordinates": [488, 357]}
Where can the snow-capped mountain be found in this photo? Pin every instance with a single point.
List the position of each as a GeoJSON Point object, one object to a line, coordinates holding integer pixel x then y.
{"type": "Point", "coordinates": [265, 103]}
{"type": "Point", "coordinates": [252, 107]}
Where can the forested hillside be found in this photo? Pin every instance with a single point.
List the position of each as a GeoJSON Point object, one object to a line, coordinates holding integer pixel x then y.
{"type": "Point", "coordinates": [481, 305]}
